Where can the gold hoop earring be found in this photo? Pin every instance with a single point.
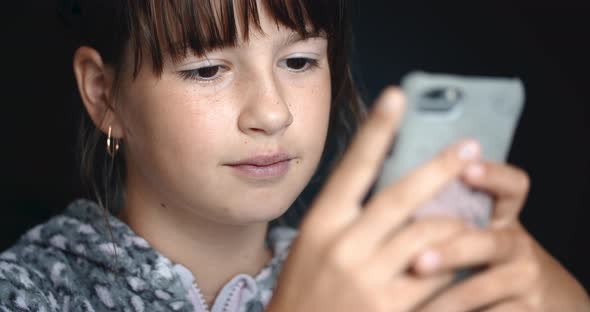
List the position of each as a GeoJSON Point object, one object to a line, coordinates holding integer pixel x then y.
{"type": "Point", "coordinates": [112, 144]}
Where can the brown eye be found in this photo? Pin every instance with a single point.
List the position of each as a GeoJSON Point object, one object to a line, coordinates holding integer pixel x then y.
{"type": "Point", "coordinates": [203, 74]}
{"type": "Point", "coordinates": [208, 72]}
{"type": "Point", "coordinates": [297, 63]}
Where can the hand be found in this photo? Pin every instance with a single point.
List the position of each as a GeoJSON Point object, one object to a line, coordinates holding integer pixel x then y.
{"type": "Point", "coordinates": [519, 275]}
{"type": "Point", "coordinates": [350, 257]}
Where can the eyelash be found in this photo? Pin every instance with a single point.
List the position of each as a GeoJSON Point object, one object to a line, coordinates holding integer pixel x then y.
{"type": "Point", "coordinates": [193, 74]}
{"type": "Point", "coordinates": [311, 63]}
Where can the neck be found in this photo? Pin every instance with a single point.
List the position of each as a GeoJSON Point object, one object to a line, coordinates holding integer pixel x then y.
{"type": "Point", "coordinates": [212, 251]}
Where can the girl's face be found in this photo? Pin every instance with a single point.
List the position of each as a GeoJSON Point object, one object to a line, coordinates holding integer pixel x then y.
{"type": "Point", "coordinates": [268, 96]}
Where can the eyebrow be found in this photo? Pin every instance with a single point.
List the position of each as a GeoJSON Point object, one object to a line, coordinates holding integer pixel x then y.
{"type": "Point", "coordinates": [295, 37]}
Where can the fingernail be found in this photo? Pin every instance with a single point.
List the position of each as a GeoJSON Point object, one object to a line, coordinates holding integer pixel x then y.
{"type": "Point", "coordinates": [475, 170]}
{"type": "Point", "coordinates": [391, 101]}
{"type": "Point", "coordinates": [429, 261]}
{"type": "Point", "coordinates": [469, 150]}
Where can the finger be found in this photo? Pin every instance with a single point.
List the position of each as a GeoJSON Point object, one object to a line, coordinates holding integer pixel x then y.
{"type": "Point", "coordinates": [481, 290]}
{"type": "Point", "coordinates": [474, 247]}
{"type": "Point", "coordinates": [510, 306]}
{"type": "Point", "coordinates": [508, 184]}
{"type": "Point", "coordinates": [396, 255]}
{"type": "Point", "coordinates": [390, 208]}
{"type": "Point", "coordinates": [355, 172]}
{"type": "Point", "coordinates": [416, 290]}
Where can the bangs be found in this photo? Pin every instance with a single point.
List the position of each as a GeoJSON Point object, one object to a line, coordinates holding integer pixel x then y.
{"type": "Point", "coordinates": [160, 29]}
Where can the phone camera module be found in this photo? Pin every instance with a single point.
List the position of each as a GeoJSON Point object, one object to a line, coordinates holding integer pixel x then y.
{"type": "Point", "coordinates": [439, 99]}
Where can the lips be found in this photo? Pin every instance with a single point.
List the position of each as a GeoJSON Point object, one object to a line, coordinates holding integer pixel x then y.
{"type": "Point", "coordinates": [263, 166]}
{"type": "Point", "coordinates": [262, 160]}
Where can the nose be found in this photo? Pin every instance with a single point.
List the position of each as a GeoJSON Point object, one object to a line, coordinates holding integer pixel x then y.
{"type": "Point", "coordinates": [265, 111]}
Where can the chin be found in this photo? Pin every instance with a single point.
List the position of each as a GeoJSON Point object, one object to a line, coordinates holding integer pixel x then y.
{"type": "Point", "coordinates": [253, 213]}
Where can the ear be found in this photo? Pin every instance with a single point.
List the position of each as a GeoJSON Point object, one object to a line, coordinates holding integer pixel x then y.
{"type": "Point", "coordinates": [94, 81]}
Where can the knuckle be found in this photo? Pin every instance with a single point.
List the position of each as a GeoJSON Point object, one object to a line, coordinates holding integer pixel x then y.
{"type": "Point", "coordinates": [492, 241]}
{"type": "Point", "coordinates": [532, 270]}
{"type": "Point", "coordinates": [529, 268]}
{"type": "Point", "coordinates": [525, 244]}
{"type": "Point", "coordinates": [522, 181]}
{"type": "Point", "coordinates": [531, 305]}
{"type": "Point", "coordinates": [502, 240]}
{"type": "Point", "coordinates": [446, 161]}
{"type": "Point", "coordinates": [534, 302]}
{"type": "Point", "coordinates": [340, 258]}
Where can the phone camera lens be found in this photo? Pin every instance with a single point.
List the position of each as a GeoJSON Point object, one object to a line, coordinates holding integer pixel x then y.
{"type": "Point", "coordinates": [440, 99]}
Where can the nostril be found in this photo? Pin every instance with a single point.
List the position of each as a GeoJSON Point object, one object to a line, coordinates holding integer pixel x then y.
{"type": "Point", "coordinates": [257, 129]}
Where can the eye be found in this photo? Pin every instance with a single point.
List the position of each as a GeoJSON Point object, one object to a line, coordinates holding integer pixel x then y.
{"type": "Point", "coordinates": [299, 64]}
{"type": "Point", "coordinates": [208, 73]}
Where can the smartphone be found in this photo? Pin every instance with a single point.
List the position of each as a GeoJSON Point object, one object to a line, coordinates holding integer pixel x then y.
{"type": "Point", "coordinates": [443, 109]}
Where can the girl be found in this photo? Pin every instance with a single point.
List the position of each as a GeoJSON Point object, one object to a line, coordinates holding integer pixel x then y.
{"type": "Point", "coordinates": [211, 117]}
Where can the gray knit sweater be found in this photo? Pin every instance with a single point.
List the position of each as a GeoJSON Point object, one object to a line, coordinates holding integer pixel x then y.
{"type": "Point", "coordinates": [67, 264]}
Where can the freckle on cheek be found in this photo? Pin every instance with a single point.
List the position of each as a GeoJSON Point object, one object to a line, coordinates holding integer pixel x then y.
{"type": "Point", "coordinates": [163, 205]}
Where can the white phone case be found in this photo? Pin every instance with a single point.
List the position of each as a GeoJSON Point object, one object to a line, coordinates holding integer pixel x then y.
{"type": "Point", "coordinates": [483, 108]}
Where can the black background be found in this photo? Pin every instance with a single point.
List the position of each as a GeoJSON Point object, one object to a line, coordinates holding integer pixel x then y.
{"type": "Point", "coordinates": [546, 45]}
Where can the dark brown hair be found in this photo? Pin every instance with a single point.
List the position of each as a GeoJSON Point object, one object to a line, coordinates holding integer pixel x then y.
{"type": "Point", "coordinates": [159, 28]}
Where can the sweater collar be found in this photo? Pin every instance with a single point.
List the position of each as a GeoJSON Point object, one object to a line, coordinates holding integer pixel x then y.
{"type": "Point", "coordinates": [82, 231]}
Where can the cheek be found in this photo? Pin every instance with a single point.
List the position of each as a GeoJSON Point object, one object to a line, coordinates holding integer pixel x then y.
{"type": "Point", "coordinates": [171, 127]}
{"type": "Point", "coordinates": [312, 110]}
